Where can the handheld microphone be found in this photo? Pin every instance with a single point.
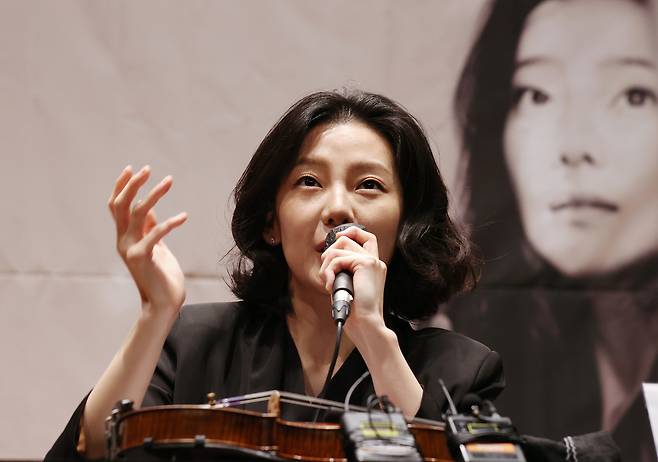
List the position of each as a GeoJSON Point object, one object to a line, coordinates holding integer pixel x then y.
{"type": "Point", "coordinates": [341, 298]}
{"type": "Point", "coordinates": [342, 292]}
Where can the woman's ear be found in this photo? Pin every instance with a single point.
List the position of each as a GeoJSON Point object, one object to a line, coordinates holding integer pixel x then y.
{"type": "Point", "coordinates": [271, 233]}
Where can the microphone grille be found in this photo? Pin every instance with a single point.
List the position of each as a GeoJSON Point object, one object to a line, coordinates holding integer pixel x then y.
{"type": "Point", "coordinates": [331, 235]}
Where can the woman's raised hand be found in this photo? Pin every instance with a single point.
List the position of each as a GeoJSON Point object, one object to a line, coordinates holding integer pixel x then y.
{"type": "Point", "coordinates": [154, 268]}
{"type": "Point", "coordinates": [161, 285]}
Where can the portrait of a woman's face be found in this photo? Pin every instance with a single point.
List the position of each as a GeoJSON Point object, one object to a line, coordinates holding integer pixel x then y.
{"type": "Point", "coordinates": [581, 137]}
{"type": "Point", "coordinates": [557, 106]}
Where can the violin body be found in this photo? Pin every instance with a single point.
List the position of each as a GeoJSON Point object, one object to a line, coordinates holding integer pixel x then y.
{"type": "Point", "coordinates": [212, 431]}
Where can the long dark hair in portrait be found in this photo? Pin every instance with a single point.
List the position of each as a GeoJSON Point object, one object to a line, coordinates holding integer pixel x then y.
{"type": "Point", "coordinates": [432, 260]}
{"type": "Point", "coordinates": [548, 326]}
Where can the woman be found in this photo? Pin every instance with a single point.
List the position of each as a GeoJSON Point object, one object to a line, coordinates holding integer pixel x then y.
{"type": "Point", "coordinates": [333, 158]}
{"type": "Point", "coordinates": [558, 108]}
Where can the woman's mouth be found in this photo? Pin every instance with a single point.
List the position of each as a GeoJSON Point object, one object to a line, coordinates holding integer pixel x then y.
{"type": "Point", "coordinates": [320, 247]}
{"type": "Point", "coordinates": [585, 202]}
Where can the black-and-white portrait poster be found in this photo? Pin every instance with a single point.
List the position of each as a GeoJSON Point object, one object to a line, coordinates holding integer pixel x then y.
{"type": "Point", "coordinates": [558, 113]}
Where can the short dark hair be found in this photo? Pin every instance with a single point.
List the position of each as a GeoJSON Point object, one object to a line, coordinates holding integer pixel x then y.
{"type": "Point", "coordinates": [483, 99]}
{"type": "Point", "coordinates": [432, 259]}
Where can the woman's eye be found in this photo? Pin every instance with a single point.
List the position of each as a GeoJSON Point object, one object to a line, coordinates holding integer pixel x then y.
{"type": "Point", "coordinates": [530, 96]}
{"type": "Point", "coordinates": [371, 184]}
{"type": "Point", "coordinates": [638, 97]}
{"type": "Point", "coordinates": [307, 181]}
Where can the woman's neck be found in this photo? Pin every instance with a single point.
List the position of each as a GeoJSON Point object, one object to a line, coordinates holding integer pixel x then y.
{"type": "Point", "coordinates": [314, 334]}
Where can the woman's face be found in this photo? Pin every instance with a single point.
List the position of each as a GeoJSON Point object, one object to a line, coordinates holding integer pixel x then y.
{"type": "Point", "coordinates": [581, 139]}
{"type": "Point", "coordinates": [345, 173]}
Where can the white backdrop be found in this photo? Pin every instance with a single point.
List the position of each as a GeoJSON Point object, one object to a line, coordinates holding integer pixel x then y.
{"type": "Point", "coordinates": [87, 87]}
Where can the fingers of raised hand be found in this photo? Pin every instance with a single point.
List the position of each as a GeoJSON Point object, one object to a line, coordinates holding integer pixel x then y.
{"type": "Point", "coordinates": [141, 250]}
{"type": "Point", "coordinates": [144, 208]}
{"type": "Point", "coordinates": [160, 230]}
{"type": "Point", "coordinates": [119, 184]}
{"type": "Point", "coordinates": [150, 221]}
{"type": "Point", "coordinates": [120, 206]}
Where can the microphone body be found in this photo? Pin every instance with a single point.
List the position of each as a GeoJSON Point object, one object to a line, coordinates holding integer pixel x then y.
{"type": "Point", "coordinates": [342, 292]}
{"type": "Point", "coordinates": [342, 296]}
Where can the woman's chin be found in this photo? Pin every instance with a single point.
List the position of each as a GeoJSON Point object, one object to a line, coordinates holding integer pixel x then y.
{"type": "Point", "coordinates": [311, 287]}
{"type": "Point", "coordinates": [582, 262]}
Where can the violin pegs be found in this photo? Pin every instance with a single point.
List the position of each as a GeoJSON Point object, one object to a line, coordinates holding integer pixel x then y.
{"type": "Point", "coordinates": [124, 405]}
{"type": "Point", "coordinates": [211, 399]}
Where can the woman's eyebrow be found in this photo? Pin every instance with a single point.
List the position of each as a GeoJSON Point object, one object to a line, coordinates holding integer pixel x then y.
{"type": "Point", "coordinates": [610, 62]}
{"type": "Point", "coordinates": [630, 61]}
{"type": "Point", "coordinates": [357, 165]}
{"type": "Point", "coordinates": [532, 61]}
{"type": "Point", "coordinates": [305, 161]}
{"type": "Point", "coordinates": [370, 165]}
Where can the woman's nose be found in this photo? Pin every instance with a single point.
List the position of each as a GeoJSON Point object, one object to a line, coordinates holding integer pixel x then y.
{"type": "Point", "coordinates": [575, 159]}
{"type": "Point", "coordinates": [337, 208]}
{"type": "Point", "coordinates": [578, 138]}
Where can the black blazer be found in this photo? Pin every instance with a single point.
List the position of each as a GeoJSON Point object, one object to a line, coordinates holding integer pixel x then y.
{"type": "Point", "coordinates": [236, 348]}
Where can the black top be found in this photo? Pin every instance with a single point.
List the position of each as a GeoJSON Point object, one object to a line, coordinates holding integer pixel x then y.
{"type": "Point", "coordinates": [233, 349]}
{"type": "Point", "coordinates": [553, 387]}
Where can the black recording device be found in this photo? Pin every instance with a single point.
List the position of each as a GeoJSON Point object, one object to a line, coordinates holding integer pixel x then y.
{"type": "Point", "coordinates": [378, 435]}
{"type": "Point", "coordinates": [480, 434]}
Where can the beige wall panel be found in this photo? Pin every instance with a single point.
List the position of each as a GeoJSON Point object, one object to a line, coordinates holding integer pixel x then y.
{"type": "Point", "coordinates": [87, 87]}
{"type": "Point", "coordinates": [64, 331]}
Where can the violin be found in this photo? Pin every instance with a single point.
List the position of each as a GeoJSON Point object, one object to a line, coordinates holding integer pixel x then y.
{"type": "Point", "coordinates": [219, 429]}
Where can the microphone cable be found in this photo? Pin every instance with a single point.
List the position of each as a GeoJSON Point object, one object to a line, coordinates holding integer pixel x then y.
{"type": "Point", "coordinates": [332, 365]}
